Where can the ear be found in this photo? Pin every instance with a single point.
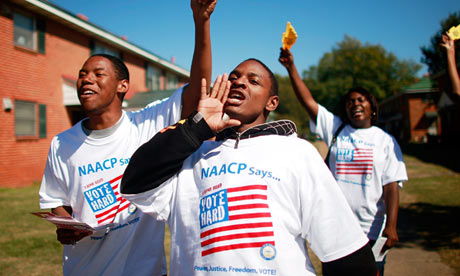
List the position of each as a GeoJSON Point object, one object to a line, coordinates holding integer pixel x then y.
{"type": "Point", "coordinates": [123, 86]}
{"type": "Point", "coordinates": [272, 103]}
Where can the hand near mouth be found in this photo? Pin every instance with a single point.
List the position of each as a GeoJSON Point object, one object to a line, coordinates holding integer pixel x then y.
{"type": "Point", "coordinates": [211, 105]}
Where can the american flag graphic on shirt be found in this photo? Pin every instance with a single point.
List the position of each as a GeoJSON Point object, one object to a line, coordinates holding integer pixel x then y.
{"type": "Point", "coordinates": [235, 218]}
{"type": "Point", "coordinates": [105, 200]}
{"type": "Point", "coordinates": [357, 161]}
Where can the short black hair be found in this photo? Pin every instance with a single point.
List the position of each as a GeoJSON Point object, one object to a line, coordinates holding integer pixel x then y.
{"type": "Point", "coordinates": [118, 64]}
{"type": "Point", "coordinates": [274, 82]}
{"type": "Point", "coordinates": [368, 95]}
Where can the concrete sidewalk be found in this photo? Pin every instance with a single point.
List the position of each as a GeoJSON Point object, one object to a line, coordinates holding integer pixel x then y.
{"type": "Point", "coordinates": [411, 259]}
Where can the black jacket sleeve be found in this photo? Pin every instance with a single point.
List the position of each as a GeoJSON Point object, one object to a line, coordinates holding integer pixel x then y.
{"type": "Point", "coordinates": [160, 158]}
{"type": "Point", "coordinates": [360, 262]}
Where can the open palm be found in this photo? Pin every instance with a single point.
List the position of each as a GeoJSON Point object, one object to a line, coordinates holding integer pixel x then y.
{"type": "Point", "coordinates": [211, 105]}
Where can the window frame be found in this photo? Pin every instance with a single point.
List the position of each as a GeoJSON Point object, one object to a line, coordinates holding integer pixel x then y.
{"type": "Point", "coordinates": [174, 77]}
{"type": "Point", "coordinates": [35, 120]}
{"type": "Point", "coordinates": [33, 31]}
{"type": "Point", "coordinates": [96, 48]}
{"type": "Point", "coordinates": [153, 76]}
{"type": "Point", "coordinates": [38, 33]}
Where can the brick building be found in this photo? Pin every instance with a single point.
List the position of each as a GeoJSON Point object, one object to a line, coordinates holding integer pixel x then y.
{"type": "Point", "coordinates": [448, 109]}
{"type": "Point", "coordinates": [411, 116]}
{"type": "Point", "coordinates": [42, 47]}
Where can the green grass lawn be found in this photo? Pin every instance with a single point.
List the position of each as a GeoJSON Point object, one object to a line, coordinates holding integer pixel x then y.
{"type": "Point", "coordinates": [28, 245]}
{"type": "Point", "coordinates": [430, 204]}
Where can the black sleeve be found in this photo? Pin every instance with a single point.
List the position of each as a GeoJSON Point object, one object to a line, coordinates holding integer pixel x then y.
{"type": "Point", "coordinates": [160, 158]}
{"type": "Point", "coordinates": [360, 262]}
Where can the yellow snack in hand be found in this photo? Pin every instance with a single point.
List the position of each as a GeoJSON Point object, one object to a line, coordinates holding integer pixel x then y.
{"type": "Point", "coordinates": [454, 32]}
{"type": "Point", "coordinates": [289, 36]}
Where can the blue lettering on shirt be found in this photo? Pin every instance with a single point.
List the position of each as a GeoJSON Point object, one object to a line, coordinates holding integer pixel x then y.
{"type": "Point", "coordinates": [344, 154]}
{"type": "Point", "coordinates": [236, 168]}
{"type": "Point", "coordinates": [231, 168]}
{"type": "Point", "coordinates": [213, 208]}
{"type": "Point", "coordinates": [101, 197]}
{"type": "Point", "coordinates": [98, 166]}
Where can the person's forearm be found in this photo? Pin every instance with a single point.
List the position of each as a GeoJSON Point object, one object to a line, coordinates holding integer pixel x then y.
{"type": "Point", "coordinates": [160, 158]}
{"type": "Point", "coordinates": [63, 211]}
{"type": "Point", "coordinates": [201, 66]}
{"type": "Point", "coordinates": [302, 92]}
{"type": "Point", "coordinates": [391, 198]}
{"type": "Point", "coordinates": [453, 73]}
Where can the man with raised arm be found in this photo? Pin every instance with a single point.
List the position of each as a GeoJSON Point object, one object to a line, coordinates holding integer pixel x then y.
{"type": "Point", "coordinates": [85, 164]}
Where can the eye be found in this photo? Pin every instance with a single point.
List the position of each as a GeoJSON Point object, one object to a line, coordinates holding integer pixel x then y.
{"type": "Point", "coordinates": [232, 78]}
{"type": "Point", "coordinates": [253, 81]}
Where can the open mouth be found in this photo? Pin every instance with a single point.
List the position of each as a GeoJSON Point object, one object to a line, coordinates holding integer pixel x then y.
{"type": "Point", "coordinates": [85, 93]}
{"type": "Point", "coordinates": [357, 111]}
{"type": "Point", "coordinates": [235, 97]}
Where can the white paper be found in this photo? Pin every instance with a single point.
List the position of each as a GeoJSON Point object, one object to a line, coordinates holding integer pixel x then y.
{"type": "Point", "coordinates": [69, 222]}
{"type": "Point", "coordinates": [377, 249]}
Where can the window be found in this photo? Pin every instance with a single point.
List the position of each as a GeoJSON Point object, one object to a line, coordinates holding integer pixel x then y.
{"type": "Point", "coordinates": [25, 118]}
{"type": "Point", "coordinates": [172, 82]}
{"type": "Point", "coordinates": [152, 77]}
{"type": "Point", "coordinates": [24, 31]}
{"type": "Point", "coordinates": [29, 32]}
{"type": "Point", "coordinates": [97, 48]}
{"type": "Point", "coordinates": [26, 121]}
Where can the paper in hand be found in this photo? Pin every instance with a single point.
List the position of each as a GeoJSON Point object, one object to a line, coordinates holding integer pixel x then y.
{"type": "Point", "coordinates": [454, 32]}
{"type": "Point", "coordinates": [289, 36]}
{"type": "Point", "coordinates": [377, 249]}
{"type": "Point", "coordinates": [69, 222]}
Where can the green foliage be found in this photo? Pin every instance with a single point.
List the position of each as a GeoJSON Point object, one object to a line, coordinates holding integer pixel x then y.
{"type": "Point", "coordinates": [353, 64]}
{"type": "Point", "coordinates": [350, 64]}
{"type": "Point", "coordinates": [290, 108]}
{"type": "Point", "coordinates": [434, 54]}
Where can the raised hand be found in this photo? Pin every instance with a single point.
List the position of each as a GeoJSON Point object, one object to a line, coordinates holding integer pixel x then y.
{"type": "Point", "coordinates": [211, 105]}
{"type": "Point", "coordinates": [286, 58]}
{"type": "Point", "coordinates": [447, 43]}
{"type": "Point", "coordinates": [202, 9]}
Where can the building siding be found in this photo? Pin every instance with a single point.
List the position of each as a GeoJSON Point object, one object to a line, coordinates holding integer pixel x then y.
{"type": "Point", "coordinates": [30, 76]}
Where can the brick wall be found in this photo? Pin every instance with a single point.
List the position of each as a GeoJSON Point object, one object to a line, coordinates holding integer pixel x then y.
{"type": "Point", "coordinates": [31, 76]}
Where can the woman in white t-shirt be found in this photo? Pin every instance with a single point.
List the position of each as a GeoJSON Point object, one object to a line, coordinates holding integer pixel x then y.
{"type": "Point", "coordinates": [365, 160]}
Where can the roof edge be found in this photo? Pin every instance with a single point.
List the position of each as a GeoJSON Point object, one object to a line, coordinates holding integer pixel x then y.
{"type": "Point", "coordinates": [99, 32]}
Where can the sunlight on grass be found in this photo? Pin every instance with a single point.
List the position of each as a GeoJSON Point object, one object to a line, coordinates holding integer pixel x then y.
{"type": "Point", "coordinates": [28, 245]}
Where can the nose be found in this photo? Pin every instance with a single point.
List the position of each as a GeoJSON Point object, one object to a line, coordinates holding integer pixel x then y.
{"type": "Point", "coordinates": [86, 79]}
{"type": "Point", "coordinates": [238, 82]}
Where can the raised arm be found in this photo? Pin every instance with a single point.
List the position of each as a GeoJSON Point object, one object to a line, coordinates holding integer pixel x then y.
{"type": "Point", "coordinates": [202, 57]}
{"type": "Point", "coordinates": [301, 90]}
{"type": "Point", "coordinates": [449, 45]}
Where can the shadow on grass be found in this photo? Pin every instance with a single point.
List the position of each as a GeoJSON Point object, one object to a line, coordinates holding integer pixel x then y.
{"type": "Point", "coordinates": [444, 155]}
{"type": "Point", "coordinates": [431, 226]}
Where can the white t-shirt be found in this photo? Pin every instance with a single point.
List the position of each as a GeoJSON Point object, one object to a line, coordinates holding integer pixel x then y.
{"type": "Point", "coordinates": [85, 172]}
{"type": "Point", "coordinates": [363, 161]}
{"type": "Point", "coordinates": [249, 210]}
